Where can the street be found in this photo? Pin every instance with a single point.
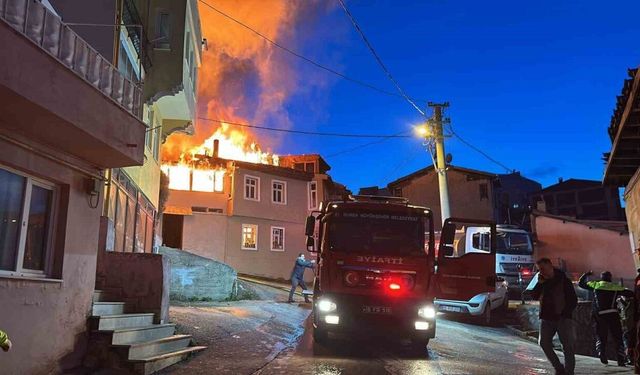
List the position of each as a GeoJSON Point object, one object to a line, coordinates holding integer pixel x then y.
{"type": "Point", "coordinates": [269, 336]}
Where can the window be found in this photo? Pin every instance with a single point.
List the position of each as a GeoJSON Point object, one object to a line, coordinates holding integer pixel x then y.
{"type": "Point", "coordinates": [313, 195]}
{"type": "Point", "coordinates": [397, 192]}
{"type": "Point", "coordinates": [307, 167]}
{"type": "Point", "coordinates": [277, 239]}
{"type": "Point", "coordinates": [26, 218]}
{"type": "Point", "coordinates": [163, 30]}
{"type": "Point", "coordinates": [279, 192]}
{"type": "Point", "coordinates": [184, 178]}
{"type": "Point", "coordinates": [484, 191]}
{"type": "Point", "coordinates": [149, 134]}
{"type": "Point", "coordinates": [252, 188]}
{"type": "Point", "coordinates": [249, 237]}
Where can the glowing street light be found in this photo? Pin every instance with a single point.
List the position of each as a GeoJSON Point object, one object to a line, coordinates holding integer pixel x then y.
{"type": "Point", "coordinates": [424, 131]}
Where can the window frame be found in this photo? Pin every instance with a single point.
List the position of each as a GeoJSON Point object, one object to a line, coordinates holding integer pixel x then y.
{"type": "Point", "coordinates": [159, 43]}
{"type": "Point", "coordinates": [255, 228]}
{"type": "Point", "coordinates": [309, 198]}
{"type": "Point", "coordinates": [283, 192]}
{"type": "Point", "coordinates": [19, 270]}
{"type": "Point", "coordinates": [257, 188]}
{"type": "Point", "coordinates": [283, 229]}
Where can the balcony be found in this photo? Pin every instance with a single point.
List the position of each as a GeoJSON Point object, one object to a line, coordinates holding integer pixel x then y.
{"type": "Point", "coordinates": [57, 90]}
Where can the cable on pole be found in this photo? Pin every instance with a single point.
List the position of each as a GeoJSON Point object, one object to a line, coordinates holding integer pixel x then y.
{"type": "Point", "coordinates": [304, 132]}
{"type": "Point", "coordinates": [478, 150]}
{"type": "Point", "coordinates": [378, 59]}
{"type": "Point", "coordinates": [358, 147]}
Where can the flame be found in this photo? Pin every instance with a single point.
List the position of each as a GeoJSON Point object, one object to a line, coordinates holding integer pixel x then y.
{"type": "Point", "coordinates": [242, 79]}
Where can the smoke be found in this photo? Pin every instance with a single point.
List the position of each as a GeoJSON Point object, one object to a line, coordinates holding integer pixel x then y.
{"type": "Point", "coordinates": [244, 78]}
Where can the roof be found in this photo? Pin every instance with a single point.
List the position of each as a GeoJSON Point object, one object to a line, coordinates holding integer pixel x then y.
{"type": "Point", "coordinates": [612, 225]}
{"type": "Point", "coordinates": [572, 184]}
{"type": "Point", "coordinates": [323, 165]}
{"type": "Point", "coordinates": [265, 168]}
{"type": "Point", "coordinates": [429, 169]}
{"type": "Point", "coordinates": [276, 170]}
{"type": "Point", "coordinates": [624, 130]}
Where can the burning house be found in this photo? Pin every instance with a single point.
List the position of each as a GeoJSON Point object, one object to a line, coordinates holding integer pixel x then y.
{"type": "Point", "coordinates": [233, 203]}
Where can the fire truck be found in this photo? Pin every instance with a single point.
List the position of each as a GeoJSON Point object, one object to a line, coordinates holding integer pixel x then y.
{"type": "Point", "coordinates": [378, 272]}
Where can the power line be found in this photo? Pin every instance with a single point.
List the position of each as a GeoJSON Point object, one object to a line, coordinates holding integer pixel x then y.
{"type": "Point", "coordinates": [304, 132]}
{"type": "Point", "coordinates": [478, 150]}
{"type": "Point", "coordinates": [302, 57]}
{"type": "Point", "coordinates": [356, 148]}
{"type": "Point", "coordinates": [378, 59]}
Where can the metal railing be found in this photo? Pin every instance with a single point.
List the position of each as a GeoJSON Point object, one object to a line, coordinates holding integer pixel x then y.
{"type": "Point", "coordinates": [47, 30]}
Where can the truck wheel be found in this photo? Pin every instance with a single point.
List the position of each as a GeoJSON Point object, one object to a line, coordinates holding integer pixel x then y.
{"type": "Point", "coordinates": [320, 336]}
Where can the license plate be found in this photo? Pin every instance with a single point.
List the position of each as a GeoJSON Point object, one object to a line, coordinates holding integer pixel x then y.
{"type": "Point", "coordinates": [376, 310]}
{"type": "Point", "coordinates": [451, 308]}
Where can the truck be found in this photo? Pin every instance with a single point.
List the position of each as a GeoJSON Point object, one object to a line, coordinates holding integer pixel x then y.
{"type": "Point", "coordinates": [513, 268]}
{"type": "Point", "coordinates": [378, 272]}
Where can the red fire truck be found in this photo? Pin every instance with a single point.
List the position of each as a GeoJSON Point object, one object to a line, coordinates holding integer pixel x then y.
{"type": "Point", "coordinates": [378, 271]}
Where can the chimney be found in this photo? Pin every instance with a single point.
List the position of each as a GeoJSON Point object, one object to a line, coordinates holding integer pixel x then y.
{"type": "Point", "coordinates": [216, 147]}
{"type": "Point", "coordinates": [560, 180]}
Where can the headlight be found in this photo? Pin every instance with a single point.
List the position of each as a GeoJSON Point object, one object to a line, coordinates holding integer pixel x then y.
{"type": "Point", "coordinates": [427, 312]}
{"type": "Point", "coordinates": [326, 306]}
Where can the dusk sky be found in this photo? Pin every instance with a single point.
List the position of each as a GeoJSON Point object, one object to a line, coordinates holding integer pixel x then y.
{"type": "Point", "coordinates": [533, 84]}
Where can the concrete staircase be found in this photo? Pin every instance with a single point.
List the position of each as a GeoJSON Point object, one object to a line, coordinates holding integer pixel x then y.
{"type": "Point", "coordinates": [131, 342]}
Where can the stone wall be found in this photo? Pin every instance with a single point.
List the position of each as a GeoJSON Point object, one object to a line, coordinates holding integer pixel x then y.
{"type": "Point", "coordinates": [196, 278]}
{"type": "Point", "coordinates": [585, 339]}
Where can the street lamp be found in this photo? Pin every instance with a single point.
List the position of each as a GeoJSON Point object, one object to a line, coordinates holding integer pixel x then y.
{"type": "Point", "coordinates": [424, 131]}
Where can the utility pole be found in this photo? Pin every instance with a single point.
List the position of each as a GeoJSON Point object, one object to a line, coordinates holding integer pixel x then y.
{"type": "Point", "coordinates": [441, 165]}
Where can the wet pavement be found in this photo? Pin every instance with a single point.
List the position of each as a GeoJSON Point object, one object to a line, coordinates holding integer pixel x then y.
{"type": "Point", "coordinates": [269, 337]}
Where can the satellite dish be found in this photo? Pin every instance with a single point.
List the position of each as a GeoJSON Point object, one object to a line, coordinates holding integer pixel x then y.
{"type": "Point", "coordinates": [448, 158]}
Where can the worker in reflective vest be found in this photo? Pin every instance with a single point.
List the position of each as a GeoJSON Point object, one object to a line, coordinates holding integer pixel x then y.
{"type": "Point", "coordinates": [5, 343]}
{"type": "Point", "coordinates": [606, 318]}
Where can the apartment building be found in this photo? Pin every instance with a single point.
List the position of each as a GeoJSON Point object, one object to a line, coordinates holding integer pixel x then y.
{"type": "Point", "coordinates": [67, 115]}
{"type": "Point", "coordinates": [250, 216]}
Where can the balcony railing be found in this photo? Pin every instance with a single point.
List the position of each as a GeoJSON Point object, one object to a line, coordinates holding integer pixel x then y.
{"type": "Point", "coordinates": [45, 29]}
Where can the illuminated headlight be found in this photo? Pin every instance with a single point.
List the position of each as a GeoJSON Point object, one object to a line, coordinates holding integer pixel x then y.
{"type": "Point", "coordinates": [427, 312]}
{"type": "Point", "coordinates": [332, 319]}
{"type": "Point", "coordinates": [326, 306]}
{"type": "Point", "coordinates": [422, 326]}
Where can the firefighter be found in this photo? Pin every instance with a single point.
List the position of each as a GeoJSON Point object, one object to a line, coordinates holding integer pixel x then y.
{"type": "Point", "coordinates": [5, 343]}
{"type": "Point", "coordinates": [297, 276]}
{"type": "Point", "coordinates": [605, 314]}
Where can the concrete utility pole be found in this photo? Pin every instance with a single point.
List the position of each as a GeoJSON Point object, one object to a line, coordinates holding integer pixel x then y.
{"type": "Point", "coordinates": [441, 165]}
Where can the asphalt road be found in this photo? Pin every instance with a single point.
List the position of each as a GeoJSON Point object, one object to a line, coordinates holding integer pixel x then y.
{"type": "Point", "coordinates": [272, 337]}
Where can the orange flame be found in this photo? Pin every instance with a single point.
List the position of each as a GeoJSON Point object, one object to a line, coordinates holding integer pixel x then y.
{"type": "Point", "coordinates": [241, 77]}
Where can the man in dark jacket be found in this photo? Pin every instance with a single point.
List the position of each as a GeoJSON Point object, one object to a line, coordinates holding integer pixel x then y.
{"type": "Point", "coordinates": [605, 314]}
{"type": "Point", "coordinates": [558, 300]}
{"type": "Point", "coordinates": [637, 318]}
{"type": "Point", "coordinates": [297, 276]}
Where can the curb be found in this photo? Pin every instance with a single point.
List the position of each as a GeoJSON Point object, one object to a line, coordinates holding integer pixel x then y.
{"type": "Point", "coordinates": [522, 334]}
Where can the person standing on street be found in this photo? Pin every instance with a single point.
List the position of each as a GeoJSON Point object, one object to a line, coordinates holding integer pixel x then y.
{"type": "Point", "coordinates": [605, 314]}
{"type": "Point", "coordinates": [558, 300]}
{"type": "Point", "coordinates": [297, 276]}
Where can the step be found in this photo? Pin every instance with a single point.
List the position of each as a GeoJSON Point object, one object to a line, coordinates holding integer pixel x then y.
{"type": "Point", "coordinates": [141, 334]}
{"type": "Point", "coordinates": [105, 296]}
{"type": "Point", "coordinates": [157, 347]}
{"type": "Point", "coordinates": [153, 364]}
{"type": "Point", "coordinates": [120, 321]}
{"type": "Point", "coordinates": [107, 308]}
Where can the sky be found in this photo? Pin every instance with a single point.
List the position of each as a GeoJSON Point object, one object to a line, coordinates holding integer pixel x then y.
{"type": "Point", "coordinates": [533, 84]}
